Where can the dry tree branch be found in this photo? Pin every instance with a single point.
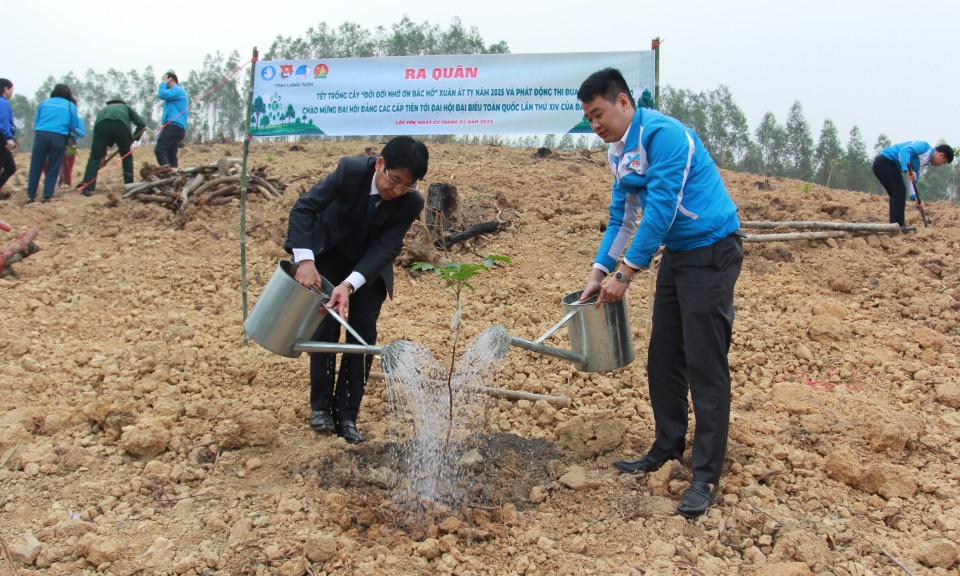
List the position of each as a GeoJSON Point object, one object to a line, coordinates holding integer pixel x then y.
{"type": "Point", "coordinates": [897, 562]}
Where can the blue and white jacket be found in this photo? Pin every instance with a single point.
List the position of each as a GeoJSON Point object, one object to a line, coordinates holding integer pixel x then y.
{"type": "Point", "coordinates": [176, 105]}
{"type": "Point", "coordinates": [913, 154]}
{"type": "Point", "coordinates": [7, 127]}
{"type": "Point", "coordinates": [59, 115]}
{"type": "Point", "coordinates": [665, 172]}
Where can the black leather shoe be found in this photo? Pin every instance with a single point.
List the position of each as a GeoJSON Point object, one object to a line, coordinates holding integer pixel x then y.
{"type": "Point", "coordinates": [348, 431]}
{"type": "Point", "coordinates": [645, 464]}
{"type": "Point", "coordinates": [322, 422]}
{"type": "Point", "coordinates": [697, 499]}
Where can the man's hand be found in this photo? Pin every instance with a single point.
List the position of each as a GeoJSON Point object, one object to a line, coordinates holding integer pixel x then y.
{"type": "Point", "coordinates": [307, 275]}
{"type": "Point", "coordinates": [612, 291]}
{"type": "Point", "coordinates": [911, 175]}
{"type": "Point", "coordinates": [593, 283]}
{"type": "Point", "coordinates": [339, 299]}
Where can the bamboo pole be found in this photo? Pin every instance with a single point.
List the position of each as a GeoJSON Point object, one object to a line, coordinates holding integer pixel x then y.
{"type": "Point", "coordinates": [848, 226]}
{"type": "Point", "coordinates": [655, 45]}
{"type": "Point", "coordinates": [559, 401]}
{"type": "Point", "coordinates": [243, 193]}
{"type": "Point", "coordinates": [796, 236]}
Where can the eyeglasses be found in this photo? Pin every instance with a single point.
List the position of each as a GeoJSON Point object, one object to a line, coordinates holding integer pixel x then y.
{"type": "Point", "coordinates": [395, 181]}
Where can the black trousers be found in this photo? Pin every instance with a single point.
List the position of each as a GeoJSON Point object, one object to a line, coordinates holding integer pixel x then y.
{"type": "Point", "coordinates": [105, 134]}
{"type": "Point", "coordinates": [7, 165]}
{"type": "Point", "coordinates": [692, 328]}
{"type": "Point", "coordinates": [341, 393]}
{"type": "Point", "coordinates": [168, 144]}
{"type": "Point", "coordinates": [888, 173]}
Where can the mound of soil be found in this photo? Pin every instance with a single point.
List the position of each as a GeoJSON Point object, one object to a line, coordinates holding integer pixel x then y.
{"type": "Point", "coordinates": [140, 435]}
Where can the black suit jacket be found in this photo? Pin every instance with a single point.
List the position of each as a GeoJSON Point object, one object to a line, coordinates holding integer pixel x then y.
{"type": "Point", "coordinates": [324, 216]}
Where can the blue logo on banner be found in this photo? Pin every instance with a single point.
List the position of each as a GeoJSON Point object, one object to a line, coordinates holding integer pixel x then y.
{"type": "Point", "coordinates": [268, 72]}
{"type": "Point", "coordinates": [302, 72]}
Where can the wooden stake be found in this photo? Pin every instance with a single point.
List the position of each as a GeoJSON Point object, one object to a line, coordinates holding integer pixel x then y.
{"type": "Point", "coordinates": [847, 226]}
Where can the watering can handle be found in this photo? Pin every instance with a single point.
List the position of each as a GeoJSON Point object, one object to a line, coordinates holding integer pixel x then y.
{"type": "Point", "coordinates": [345, 325]}
{"type": "Point", "coordinates": [557, 326]}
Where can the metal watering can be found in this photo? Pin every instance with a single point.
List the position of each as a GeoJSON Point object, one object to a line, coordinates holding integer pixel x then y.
{"type": "Point", "coordinates": [287, 313]}
{"type": "Point", "coordinates": [600, 338]}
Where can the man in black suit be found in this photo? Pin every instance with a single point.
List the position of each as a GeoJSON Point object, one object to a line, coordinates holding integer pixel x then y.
{"type": "Point", "coordinates": [348, 229]}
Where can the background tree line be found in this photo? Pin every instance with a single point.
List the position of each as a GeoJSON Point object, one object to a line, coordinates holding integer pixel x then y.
{"type": "Point", "coordinates": [778, 149]}
{"type": "Point", "coordinates": [788, 149]}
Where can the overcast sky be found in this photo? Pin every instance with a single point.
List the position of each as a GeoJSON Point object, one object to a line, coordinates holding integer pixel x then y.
{"type": "Point", "coordinates": [870, 63]}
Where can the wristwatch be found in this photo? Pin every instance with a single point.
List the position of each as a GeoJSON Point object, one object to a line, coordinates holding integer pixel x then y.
{"type": "Point", "coordinates": [349, 286]}
{"type": "Point", "coordinates": [619, 277]}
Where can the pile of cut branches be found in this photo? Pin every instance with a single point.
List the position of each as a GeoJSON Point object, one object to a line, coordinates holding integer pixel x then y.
{"type": "Point", "coordinates": [178, 188]}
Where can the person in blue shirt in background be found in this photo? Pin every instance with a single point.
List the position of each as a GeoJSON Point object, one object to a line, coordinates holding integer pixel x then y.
{"type": "Point", "coordinates": [905, 159]}
{"type": "Point", "coordinates": [176, 106]}
{"type": "Point", "coordinates": [8, 131]}
{"type": "Point", "coordinates": [56, 121]}
{"type": "Point", "coordinates": [661, 168]}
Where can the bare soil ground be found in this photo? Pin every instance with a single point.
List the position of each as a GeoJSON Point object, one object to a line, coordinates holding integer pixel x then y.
{"type": "Point", "coordinates": [138, 435]}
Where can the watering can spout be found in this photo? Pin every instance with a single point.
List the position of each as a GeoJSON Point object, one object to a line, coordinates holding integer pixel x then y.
{"type": "Point", "coordinates": [390, 354]}
{"type": "Point", "coordinates": [541, 348]}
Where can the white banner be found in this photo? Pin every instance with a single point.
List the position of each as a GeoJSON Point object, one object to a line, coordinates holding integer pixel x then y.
{"type": "Point", "coordinates": [455, 94]}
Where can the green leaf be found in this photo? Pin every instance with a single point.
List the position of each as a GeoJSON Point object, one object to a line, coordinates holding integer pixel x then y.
{"type": "Point", "coordinates": [424, 266]}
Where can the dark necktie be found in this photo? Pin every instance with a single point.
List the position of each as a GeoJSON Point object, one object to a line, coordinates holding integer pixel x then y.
{"type": "Point", "coordinates": [372, 203]}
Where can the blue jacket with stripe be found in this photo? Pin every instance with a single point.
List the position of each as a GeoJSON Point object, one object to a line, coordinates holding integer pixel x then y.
{"type": "Point", "coordinates": [913, 154]}
{"type": "Point", "coordinates": [665, 173]}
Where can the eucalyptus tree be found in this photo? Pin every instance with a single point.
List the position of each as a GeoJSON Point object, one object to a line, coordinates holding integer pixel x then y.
{"type": "Point", "coordinates": [829, 154]}
{"type": "Point", "coordinates": [799, 152]}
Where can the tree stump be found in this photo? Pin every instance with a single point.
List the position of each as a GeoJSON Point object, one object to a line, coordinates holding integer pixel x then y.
{"type": "Point", "coordinates": [443, 210]}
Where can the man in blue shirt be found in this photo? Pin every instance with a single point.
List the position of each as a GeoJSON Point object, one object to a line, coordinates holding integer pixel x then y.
{"type": "Point", "coordinates": [905, 159]}
{"type": "Point", "coordinates": [176, 108]}
{"type": "Point", "coordinates": [661, 168]}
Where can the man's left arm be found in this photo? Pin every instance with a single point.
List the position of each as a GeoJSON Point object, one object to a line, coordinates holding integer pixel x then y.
{"type": "Point", "coordinates": [76, 123]}
{"type": "Point", "coordinates": [137, 120]}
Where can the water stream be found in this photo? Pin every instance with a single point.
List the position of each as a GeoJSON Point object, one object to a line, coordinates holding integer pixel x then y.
{"type": "Point", "coordinates": [432, 444]}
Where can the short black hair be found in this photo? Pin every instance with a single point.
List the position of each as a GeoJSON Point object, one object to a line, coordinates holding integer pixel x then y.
{"type": "Point", "coordinates": [405, 152]}
{"type": "Point", "coordinates": [947, 151]}
{"type": "Point", "coordinates": [4, 84]}
{"type": "Point", "coordinates": [174, 76]}
{"type": "Point", "coordinates": [608, 83]}
{"type": "Point", "coordinates": [62, 91]}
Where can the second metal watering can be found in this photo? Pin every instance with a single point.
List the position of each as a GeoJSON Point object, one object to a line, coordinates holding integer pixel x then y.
{"type": "Point", "coordinates": [600, 338]}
